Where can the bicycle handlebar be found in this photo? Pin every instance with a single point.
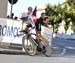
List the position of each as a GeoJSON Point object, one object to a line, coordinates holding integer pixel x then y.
{"type": "Point", "coordinates": [24, 31]}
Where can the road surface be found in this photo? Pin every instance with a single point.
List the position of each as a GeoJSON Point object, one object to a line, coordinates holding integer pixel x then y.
{"type": "Point", "coordinates": [20, 57]}
{"type": "Point", "coordinates": [6, 58]}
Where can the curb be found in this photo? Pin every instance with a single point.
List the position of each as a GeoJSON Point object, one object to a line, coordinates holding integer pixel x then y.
{"type": "Point", "coordinates": [8, 51]}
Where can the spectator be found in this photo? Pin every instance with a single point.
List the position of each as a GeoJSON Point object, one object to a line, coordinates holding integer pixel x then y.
{"type": "Point", "coordinates": [15, 17]}
{"type": "Point", "coordinates": [46, 21]}
{"type": "Point", "coordinates": [8, 16]}
{"type": "Point", "coordinates": [12, 15]}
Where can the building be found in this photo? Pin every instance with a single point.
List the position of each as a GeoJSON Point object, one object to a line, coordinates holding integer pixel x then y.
{"type": "Point", "coordinates": [3, 8]}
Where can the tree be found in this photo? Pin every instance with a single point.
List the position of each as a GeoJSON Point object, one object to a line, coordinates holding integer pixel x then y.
{"type": "Point", "coordinates": [65, 11]}
{"type": "Point", "coordinates": [55, 15]}
{"type": "Point", "coordinates": [71, 4]}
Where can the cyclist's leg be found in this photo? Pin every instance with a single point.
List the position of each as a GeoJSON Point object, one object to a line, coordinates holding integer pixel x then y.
{"type": "Point", "coordinates": [43, 41]}
{"type": "Point", "coordinates": [39, 47]}
{"type": "Point", "coordinates": [38, 32]}
{"type": "Point", "coordinates": [35, 37]}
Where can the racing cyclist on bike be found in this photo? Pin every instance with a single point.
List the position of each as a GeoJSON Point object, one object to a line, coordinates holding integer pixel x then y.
{"type": "Point", "coordinates": [27, 23]}
{"type": "Point", "coordinates": [42, 40]}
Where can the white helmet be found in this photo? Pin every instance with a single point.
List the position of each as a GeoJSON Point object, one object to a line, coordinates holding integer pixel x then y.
{"type": "Point", "coordinates": [23, 15]}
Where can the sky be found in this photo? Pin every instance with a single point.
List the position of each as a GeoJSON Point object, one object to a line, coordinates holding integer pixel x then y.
{"type": "Point", "coordinates": [22, 5]}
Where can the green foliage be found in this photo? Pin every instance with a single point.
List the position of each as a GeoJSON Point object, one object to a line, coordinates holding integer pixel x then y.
{"type": "Point", "coordinates": [55, 14]}
{"type": "Point", "coordinates": [60, 12]}
{"type": "Point", "coordinates": [71, 3]}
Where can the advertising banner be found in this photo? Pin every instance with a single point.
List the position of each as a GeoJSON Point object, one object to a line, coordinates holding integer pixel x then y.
{"type": "Point", "coordinates": [8, 29]}
{"type": "Point", "coordinates": [47, 34]}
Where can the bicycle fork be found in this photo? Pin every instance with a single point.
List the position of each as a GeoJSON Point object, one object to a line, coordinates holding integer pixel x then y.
{"type": "Point", "coordinates": [38, 44]}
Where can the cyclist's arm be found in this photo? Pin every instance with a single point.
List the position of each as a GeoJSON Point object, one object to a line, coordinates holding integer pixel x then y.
{"type": "Point", "coordinates": [26, 26]}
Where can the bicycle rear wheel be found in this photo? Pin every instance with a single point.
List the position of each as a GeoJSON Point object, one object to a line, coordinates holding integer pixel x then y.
{"type": "Point", "coordinates": [29, 45]}
{"type": "Point", "coordinates": [48, 51]}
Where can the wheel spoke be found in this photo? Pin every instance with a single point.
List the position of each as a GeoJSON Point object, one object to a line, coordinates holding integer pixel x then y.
{"type": "Point", "coordinates": [29, 46]}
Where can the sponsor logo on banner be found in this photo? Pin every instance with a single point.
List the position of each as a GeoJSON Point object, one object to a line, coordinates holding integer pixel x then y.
{"type": "Point", "coordinates": [8, 29]}
{"type": "Point", "coordinates": [47, 34]}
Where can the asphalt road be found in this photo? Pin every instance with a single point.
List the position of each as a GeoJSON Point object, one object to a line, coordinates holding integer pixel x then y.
{"type": "Point", "coordinates": [62, 44]}
{"type": "Point", "coordinates": [20, 57]}
{"type": "Point", "coordinates": [4, 58]}
{"type": "Point", "coordinates": [60, 47]}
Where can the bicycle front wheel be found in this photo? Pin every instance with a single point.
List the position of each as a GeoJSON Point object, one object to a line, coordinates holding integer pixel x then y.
{"type": "Point", "coordinates": [29, 45]}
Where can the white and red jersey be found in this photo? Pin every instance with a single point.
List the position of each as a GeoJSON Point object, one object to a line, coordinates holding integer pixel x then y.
{"type": "Point", "coordinates": [34, 19]}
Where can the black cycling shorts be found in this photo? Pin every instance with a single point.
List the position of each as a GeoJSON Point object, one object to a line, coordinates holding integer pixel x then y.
{"type": "Point", "coordinates": [38, 26]}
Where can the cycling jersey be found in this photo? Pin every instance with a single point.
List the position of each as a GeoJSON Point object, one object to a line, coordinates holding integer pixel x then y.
{"type": "Point", "coordinates": [34, 19]}
{"type": "Point", "coordinates": [30, 23]}
{"type": "Point", "coordinates": [38, 24]}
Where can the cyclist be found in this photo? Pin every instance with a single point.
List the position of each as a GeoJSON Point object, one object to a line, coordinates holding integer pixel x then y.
{"type": "Point", "coordinates": [38, 27]}
{"type": "Point", "coordinates": [30, 14]}
{"type": "Point", "coordinates": [41, 21]}
{"type": "Point", "coordinates": [27, 22]}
